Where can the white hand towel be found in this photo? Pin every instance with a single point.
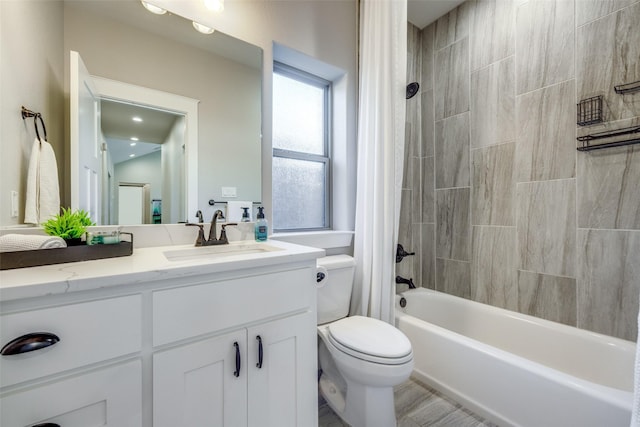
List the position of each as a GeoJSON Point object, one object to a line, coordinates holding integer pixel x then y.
{"type": "Point", "coordinates": [635, 410]}
{"type": "Point", "coordinates": [43, 190]}
{"type": "Point", "coordinates": [27, 242]}
{"type": "Point", "coordinates": [234, 210]}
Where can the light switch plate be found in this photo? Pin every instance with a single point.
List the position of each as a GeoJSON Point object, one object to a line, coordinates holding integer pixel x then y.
{"type": "Point", "coordinates": [229, 192]}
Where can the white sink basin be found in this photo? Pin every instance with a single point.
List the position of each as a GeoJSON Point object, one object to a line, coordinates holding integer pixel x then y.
{"type": "Point", "coordinates": [218, 251]}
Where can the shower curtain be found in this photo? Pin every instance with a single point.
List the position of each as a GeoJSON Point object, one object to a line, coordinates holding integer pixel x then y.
{"type": "Point", "coordinates": [381, 124]}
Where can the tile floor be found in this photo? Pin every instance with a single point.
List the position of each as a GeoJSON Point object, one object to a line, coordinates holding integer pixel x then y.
{"type": "Point", "coordinates": [418, 405]}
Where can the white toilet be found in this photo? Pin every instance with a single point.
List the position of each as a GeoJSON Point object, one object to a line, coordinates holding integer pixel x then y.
{"type": "Point", "coordinates": [361, 358]}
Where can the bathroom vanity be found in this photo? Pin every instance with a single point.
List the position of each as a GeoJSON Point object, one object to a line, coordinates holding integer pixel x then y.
{"type": "Point", "coordinates": [169, 336]}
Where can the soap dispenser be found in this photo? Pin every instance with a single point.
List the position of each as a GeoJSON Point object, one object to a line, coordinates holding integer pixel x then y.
{"type": "Point", "coordinates": [245, 214]}
{"type": "Point", "coordinates": [262, 227]}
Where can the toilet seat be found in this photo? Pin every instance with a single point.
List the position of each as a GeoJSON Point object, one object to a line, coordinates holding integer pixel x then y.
{"type": "Point", "coordinates": [371, 340]}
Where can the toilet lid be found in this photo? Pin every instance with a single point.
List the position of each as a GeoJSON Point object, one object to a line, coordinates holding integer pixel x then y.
{"type": "Point", "coordinates": [370, 339]}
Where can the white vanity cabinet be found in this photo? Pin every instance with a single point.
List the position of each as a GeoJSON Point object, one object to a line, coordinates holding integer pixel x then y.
{"type": "Point", "coordinates": [213, 381]}
{"type": "Point", "coordinates": [261, 373]}
{"type": "Point", "coordinates": [185, 344]}
{"type": "Point", "coordinates": [88, 334]}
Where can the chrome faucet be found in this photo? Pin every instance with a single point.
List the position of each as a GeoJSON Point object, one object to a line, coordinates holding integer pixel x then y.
{"type": "Point", "coordinates": [212, 239]}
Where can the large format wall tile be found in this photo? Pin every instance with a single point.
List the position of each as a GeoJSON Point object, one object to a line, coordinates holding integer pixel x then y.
{"type": "Point", "coordinates": [493, 267]}
{"type": "Point", "coordinates": [549, 297]}
{"type": "Point", "coordinates": [608, 285]}
{"type": "Point", "coordinates": [492, 104]}
{"type": "Point", "coordinates": [453, 277]}
{"type": "Point", "coordinates": [451, 92]}
{"type": "Point", "coordinates": [405, 232]}
{"type": "Point", "coordinates": [589, 10]}
{"type": "Point", "coordinates": [416, 190]}
{"type": "Point", "coordinates": [452, 152]}
{"type": "Point", "coordinates": [545, 32]}
{"type": "Point", "coordinates": [493, 186]}
{"type": "Point", "coordinates": [428, 49]}
{"type": "Point", "coordinates": [546, 133]}
{"type": "Point", "coordinates": [453, 232]}
{"type": "Point", "coordinates": [414, 53]}
{"type": "Point", "coordinates": [608, 54]}
{"type": "Point", "coordinates": [427, 123]}
{"type": "Point", "coordinates": [492, 33]}
{"type": "Point", "coordinates": [608, 193]}
{"type": "Point", "coordinates": [428, 256]}
{"type": "Point", "coordinates": [546, 218]}
{"type": "Point", "coordinates": [453, 26]}
{"type": "Point", "coordinates": [427, 189]}
{"type": "Point", "coordinates": [407, 168]}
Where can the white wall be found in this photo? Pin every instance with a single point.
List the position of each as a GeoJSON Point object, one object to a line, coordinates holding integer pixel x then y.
{"type": "Point", "coordinates": [173, 174]}
{"type": "Point", "coordinates": [31, 74]}
{"type": "Point", "coordinates": [142, 170]}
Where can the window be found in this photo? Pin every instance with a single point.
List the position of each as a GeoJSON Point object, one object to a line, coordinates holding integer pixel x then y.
{"type": "Point", "coordinates": [301, 162]}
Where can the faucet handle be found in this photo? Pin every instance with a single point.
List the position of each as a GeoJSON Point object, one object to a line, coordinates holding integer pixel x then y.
{"type": "Point", "coordinates": [223, 233]}
{"type": "Point", "coordinates": [200, 240]}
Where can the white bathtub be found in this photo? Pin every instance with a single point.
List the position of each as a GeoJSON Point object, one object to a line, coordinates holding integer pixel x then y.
{"type": "Point", "coordinates": [516, 369]}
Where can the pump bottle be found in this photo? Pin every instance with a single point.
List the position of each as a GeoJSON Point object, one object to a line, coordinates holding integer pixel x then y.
{"type": "Point", "coordinates": [262, 226]}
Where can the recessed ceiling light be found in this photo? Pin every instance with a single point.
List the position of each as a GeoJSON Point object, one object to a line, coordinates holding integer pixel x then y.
{"type": "Point", "coordinates": [133, 144]}
{"type": "Point", "coordinates": [153, 9]}
{"type": "Point", "coordinates": [134, 138]}
{"type": "Point", "coordinates": [137, 119]}
{"type": "Point", "coordinates": [132, 155]}
{"type": "Point", "coordinates": [214, 5]}
{"type": "Point", "coordinates": [203, 28]}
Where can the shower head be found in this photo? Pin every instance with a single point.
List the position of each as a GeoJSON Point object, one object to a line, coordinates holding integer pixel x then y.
{"type": "Point", "coordinates": [412, 89]}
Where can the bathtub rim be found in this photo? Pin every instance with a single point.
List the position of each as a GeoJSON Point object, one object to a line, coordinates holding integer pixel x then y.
{"type": "Point", "coordinates": [614, 396]}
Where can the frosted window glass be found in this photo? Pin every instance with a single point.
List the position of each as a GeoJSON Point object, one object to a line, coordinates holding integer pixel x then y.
{"type": "Point", "coordinates": [298, 116]}
{"type": "Point", "coordinates": [298, 194]}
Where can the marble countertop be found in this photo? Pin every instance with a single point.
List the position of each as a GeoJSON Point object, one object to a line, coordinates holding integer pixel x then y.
{"type": "Point", "coordinates": [146, 264]}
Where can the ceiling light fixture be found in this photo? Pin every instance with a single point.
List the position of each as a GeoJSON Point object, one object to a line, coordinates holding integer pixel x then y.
{"type": "Point", "coordinates": [133, 144]}
{"type": "Point", "coordinates": [214, 5]}
{"type": "Point", "coordinates": [132, 155]}
{"type": "Point", "coordinates": [133, 138]}
{"type": "Point", "coordinates": [137, 119]}
{"type": "Point", "coordinates": [203, 28]}
{"type": "Point", "coordinates": [153, 9]}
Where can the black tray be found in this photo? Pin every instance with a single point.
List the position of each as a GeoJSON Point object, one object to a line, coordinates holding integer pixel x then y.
{"type": "Point", "coordinates": [35, 258]}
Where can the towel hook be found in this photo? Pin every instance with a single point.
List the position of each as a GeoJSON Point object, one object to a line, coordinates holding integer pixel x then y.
{"type": "Point", "coordinates": [28, 113]}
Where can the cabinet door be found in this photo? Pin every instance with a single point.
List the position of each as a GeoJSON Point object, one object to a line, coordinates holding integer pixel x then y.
{"type": "Point", "coordinates": [196, 384]}
{"type": "Point", "coordinates": [106, 397]}
{"type": "Point", "coordinates": [283, 391]}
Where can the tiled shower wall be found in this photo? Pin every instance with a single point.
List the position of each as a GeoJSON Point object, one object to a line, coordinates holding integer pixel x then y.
{"type": "Point", "coordinates": [497, 203]}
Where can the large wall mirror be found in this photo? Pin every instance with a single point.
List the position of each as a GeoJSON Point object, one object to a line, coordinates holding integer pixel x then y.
{"type": "Point", "coordinates": [178, 164]}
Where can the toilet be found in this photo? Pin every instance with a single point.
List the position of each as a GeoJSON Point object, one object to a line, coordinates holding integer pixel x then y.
{"type": "Point", "coordinates": [361, 359]}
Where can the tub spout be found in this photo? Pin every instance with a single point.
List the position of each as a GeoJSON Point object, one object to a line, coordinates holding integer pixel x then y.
{"type": "Point", "coordinates": [400, 279]}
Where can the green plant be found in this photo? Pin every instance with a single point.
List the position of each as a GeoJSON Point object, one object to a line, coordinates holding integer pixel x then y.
{"type": "Point", "coordinates": [68, 225]}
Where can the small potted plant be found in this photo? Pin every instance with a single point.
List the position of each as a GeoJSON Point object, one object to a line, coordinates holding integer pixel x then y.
{"type": "Point", "coordinates": [69, 225]}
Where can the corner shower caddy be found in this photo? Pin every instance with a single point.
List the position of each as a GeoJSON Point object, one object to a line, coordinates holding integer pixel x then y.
{"type": "Point", "coordinates": [590, 111]}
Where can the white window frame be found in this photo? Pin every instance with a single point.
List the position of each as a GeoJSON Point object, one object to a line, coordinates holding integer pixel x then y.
{"type": "Point", "coordinates": [326, 85]}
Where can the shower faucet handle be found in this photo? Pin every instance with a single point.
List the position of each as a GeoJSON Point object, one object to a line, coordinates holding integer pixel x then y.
{"type": "Point", "coordinates": [401, 253]}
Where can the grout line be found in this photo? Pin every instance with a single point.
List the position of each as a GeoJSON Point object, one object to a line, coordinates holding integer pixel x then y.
{"type": "Point", "coordinates": [494, 145]}
{"type": "Point", "coordinates": [604, 16]}
{"type": "Point", "coordinates": [551, 85]}
{"type": "Point", "coordinates": [546, 274]}
{"type": "Point", "coordinates": [546, 180]}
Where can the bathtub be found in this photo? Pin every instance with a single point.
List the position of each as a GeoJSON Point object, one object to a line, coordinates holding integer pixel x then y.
{"type": "Point", "coordinates": [514, 369]}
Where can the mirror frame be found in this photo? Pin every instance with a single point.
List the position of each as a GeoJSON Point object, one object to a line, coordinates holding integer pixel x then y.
{"type": "Point", "coordinates": [125, 92]}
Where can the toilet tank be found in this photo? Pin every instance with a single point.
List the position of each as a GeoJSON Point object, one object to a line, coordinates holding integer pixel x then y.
{"type": "Point", "coordinates": [334, 289]}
